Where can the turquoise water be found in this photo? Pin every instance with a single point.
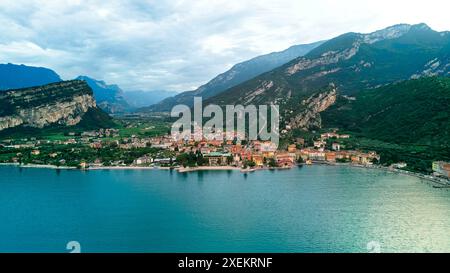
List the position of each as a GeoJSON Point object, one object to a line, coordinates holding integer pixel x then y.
{"type": "Point", "coordinates": [310, 209]}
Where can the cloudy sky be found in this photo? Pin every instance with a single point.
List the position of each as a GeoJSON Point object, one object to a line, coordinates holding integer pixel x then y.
{"type": "Point", "coordinates": [178, 45]}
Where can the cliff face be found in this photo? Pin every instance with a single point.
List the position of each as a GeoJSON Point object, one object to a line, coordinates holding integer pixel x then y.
{"type": "Point", "coordinates": [62, 103]}
{"type": "Point", "coordinates": [310, 117]}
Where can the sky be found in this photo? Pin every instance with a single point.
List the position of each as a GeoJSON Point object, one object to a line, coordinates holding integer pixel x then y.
{"type": "Point", "coordinates": [178, 45]}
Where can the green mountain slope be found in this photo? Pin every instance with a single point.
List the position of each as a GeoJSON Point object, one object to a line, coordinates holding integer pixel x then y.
{"type": "Point", "coordinates": [407, 121]}
{"type": "Point", "coordinates": [352, 62]}
{"type": "Point", "coordinates": [414, 111]}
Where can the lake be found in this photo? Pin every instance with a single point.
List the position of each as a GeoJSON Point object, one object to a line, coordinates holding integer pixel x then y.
{"type": "Point", "coordinates": [309, 209]}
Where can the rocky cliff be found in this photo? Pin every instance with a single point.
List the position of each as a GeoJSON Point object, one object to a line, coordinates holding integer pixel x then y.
{"type": "Point", "coordinates": [310, 117]}
{"type": "Point", "coordinates": [62, 103]}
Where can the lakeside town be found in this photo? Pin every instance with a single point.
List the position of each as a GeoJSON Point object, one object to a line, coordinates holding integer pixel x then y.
{"type": "Point", "coordinates": [105, 148]}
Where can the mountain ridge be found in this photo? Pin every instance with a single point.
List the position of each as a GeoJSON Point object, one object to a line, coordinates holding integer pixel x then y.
{"type": "Point", "coordinates": [352, 62]}
{"type": "Point", "coordinates": [57, 104]}
{"type": "Point", "coordinates": [237, 74]}
{"type": "Point", "coordinates": [109, 97]}
{"type": "Point", "coordinates": [14, 76]}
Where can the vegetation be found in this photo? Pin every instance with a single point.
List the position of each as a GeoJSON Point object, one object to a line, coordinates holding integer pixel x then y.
{"type": "Point", "coordinates": [408, 121]}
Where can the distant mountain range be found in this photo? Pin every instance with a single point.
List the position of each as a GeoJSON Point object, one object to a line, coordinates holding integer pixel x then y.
{"type": "Point", "coordinates": [138, 99]}
{"type": "Point", "coordinates": [351, 62]}
{"type": "Point", "coordinates": [391, 85]}
{"type": "Point", "coordinates": [109, 97]}
{"type": "Point", "coordinates": [237, 74]}
{"type": "Point", "coordinates": [20, 76]}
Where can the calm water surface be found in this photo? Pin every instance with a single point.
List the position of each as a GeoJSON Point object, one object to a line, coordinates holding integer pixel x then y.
{"type": "Point", "coordinates": [310, 209]}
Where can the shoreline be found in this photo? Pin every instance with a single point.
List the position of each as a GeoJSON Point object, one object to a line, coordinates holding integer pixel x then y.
{"type": "Point", "coordinates": [208, 168]}
{"type": "Point", "coordinates": [438, 182]}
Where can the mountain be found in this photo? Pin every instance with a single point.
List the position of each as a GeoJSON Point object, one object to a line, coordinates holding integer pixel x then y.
{"type": "Point", "coordinates": [20, 76]}
{"type": "Point", "coordinates": [59, 104]}
{"type": "Point", "coordinates": [237, 74]}
{"type": "Point", "coordinates": [351, 62]}
{"type": "Point", "coordinates": [110, 98]}
{"type": "Point", "coordinates": [412, 111]}
{"type": "Point", "coordinates": [138, 99]}
{"type": "Point", "coordinates": [407, 121]}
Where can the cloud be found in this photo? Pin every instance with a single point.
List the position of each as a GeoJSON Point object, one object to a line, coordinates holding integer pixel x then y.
{"type": "Point", "coordinates": [177, 44]}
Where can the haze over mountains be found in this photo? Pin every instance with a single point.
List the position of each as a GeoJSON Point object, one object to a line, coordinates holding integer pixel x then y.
{"type": "Point", "coordinates": [237, 74]}
{"type": "Point", "coordinates": [109, 97]}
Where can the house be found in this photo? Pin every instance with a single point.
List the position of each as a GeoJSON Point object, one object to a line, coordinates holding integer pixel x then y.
{"type": "Point", "coordinates": [96, 145]}
{"type": "Point", "coordinates": [267, 146]}
{"type": "Point", "coordinates": [292, 148]}
{"type": "Point", "coordinates": [441, 168]}
{"type": "Point", "coordinates": [336, 147]}
{"type": "Point", "coordinates": [319, 144]}
{"type": "Point", "coordinates": [285, 159]}
{"type": "Point", "coordinates": [329, 135]}
{"type": "Point", "coordinates": [164, 161]}
{"type": "Point", "coordinates": [268, 154]}
{"type": "Point", "coordinates": [143, 160]}
{"type": "Point", "coordinates": [400, 165]}
{"type": "Point", "coordinates": [343, 155]}
{"type": "Point", "coordinates": [35, 152]}
{"type": "Point", "coordinates": [364, 158]}
{"type": "Point", "coordinates": [330, 156]}
{"type": "Point", "coordinates": [258, 160]}
{"type": "Point", "coordinates": [217, 158]}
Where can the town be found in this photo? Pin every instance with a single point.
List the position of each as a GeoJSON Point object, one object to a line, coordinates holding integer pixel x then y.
{"type": "Point", "coordinates": [105, 148]}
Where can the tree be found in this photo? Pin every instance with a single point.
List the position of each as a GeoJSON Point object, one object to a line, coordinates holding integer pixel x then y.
{"type": "Point", "coordinates": [230, 160]}
{"type": "Point", "coordinates": [272, 163]}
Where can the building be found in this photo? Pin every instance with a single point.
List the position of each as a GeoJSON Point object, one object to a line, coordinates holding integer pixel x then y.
{"type": "Point", "coordinates": [329, 135]}
{"type": "Point", "coordinates": [96, 145]}
{"type": "Point", "coordinates": [330, 156]}
{"type": "Point", "coordinates": [292, 148]}
{"type": "Point", "coordinates": [267, 146]}
{"type": "Point", "coordinates": [285, 159]}
{"type": "Point", "coordinates": [83, 165]}
{"type": "Point", "coordinates": [143, 160]}
{"type": "Point", "coordinates": [258, 160]}
{"type": "Point", "coordinates": [336, 147]}
{"type": "Point", "coordinates": [441, 168]}
{"type": "Point", "coordinates": [217, 158]}
{"type": "Point", "coordinates": [400, 165]}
